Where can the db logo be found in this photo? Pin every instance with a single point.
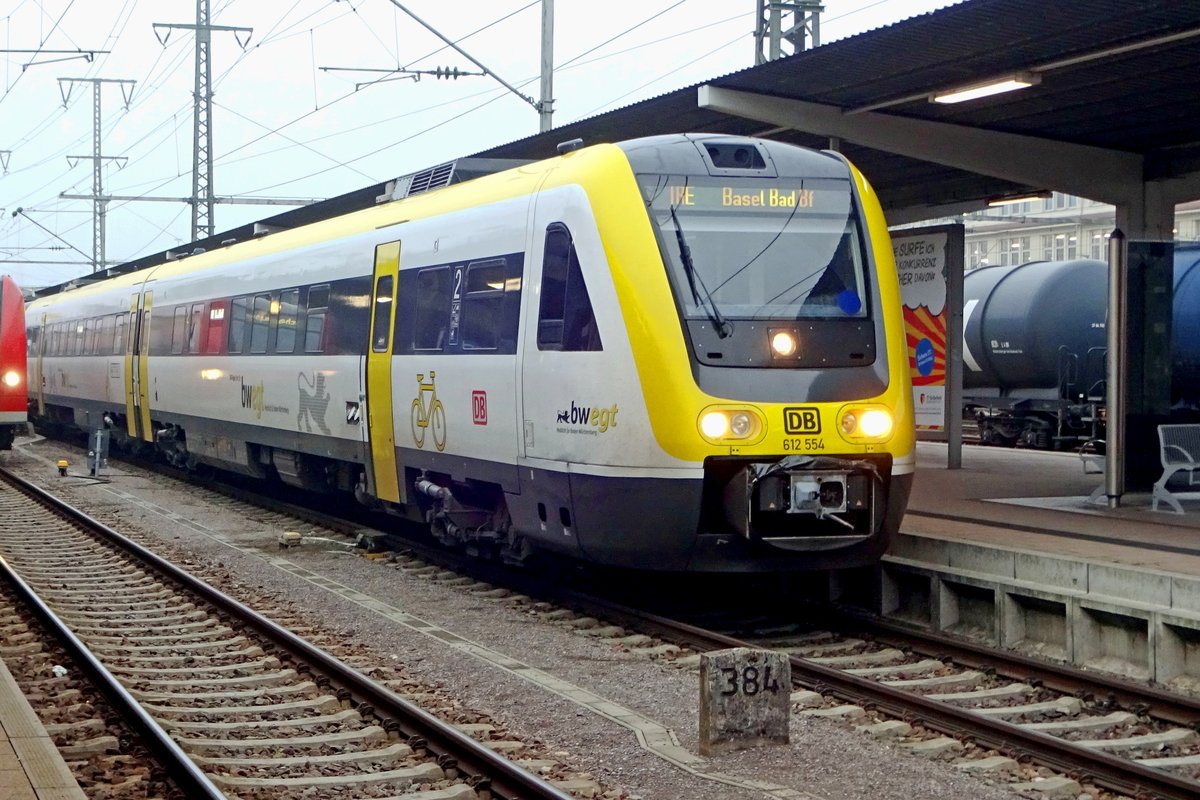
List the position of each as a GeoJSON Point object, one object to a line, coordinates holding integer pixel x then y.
{"type": "Point", "coordinates": [479, 407]}
{"type": "Point", "coordinates": [802, 419]}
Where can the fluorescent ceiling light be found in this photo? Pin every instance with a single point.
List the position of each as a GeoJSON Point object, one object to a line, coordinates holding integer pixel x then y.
{"type": "Point", "coordinates": [1009, 83]}
{"type": "Point", "coordinates": [1025, 198]}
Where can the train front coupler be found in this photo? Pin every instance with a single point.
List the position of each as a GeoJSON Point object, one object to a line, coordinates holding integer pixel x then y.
{"type": "Point", "coordinates": [805, 502]}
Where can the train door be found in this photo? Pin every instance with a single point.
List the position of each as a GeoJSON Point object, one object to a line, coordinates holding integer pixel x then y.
{"type": "Point", "coordinates": [380, 430]}
{"type": "Point", "coordinates": [137, 352]}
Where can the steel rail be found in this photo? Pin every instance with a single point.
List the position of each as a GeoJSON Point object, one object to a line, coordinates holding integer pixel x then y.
{"type": "Point", "coordinates": [453, 749]}
{"type": "Point", "coordinates": [1159, 703]}
{"type": "Point", "coordinates": [182, 770]}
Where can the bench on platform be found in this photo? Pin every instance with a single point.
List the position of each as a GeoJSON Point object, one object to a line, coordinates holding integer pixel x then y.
{"type": "Point", "coordinates": [1179, 450]}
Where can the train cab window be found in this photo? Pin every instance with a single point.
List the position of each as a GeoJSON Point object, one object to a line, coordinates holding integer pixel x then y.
{"type": "Point", "coordinates": [194, 326]}
{"type": "Point", "coordinates": [179, 330]}
{"type": "Point", "coordinates": [285, 334]}
{"type": "Point", "coordinates": [216, 327]}
{"type": "Point", "coordinates": [119, 334]}
{"type": "Point", "coordinates": [260, 323]}
{"type": "Point", "coordinates": [565, 318]}
{"type": "Point", "coordinates": [381, 324]}
{"type": "Point", "coordinates": [431, 322]}
{"type": "Point", "coordinates": [239, 312]}
{"type": "Point", "coordinates": [481, 306]}
{"type": "Point", "coordinates": [314, 321]}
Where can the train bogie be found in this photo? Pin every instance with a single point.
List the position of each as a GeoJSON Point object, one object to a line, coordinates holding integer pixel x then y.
{"type": "Point", "coordinates": [675, 353]}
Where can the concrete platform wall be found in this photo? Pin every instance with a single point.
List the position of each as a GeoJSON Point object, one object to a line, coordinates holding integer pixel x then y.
{"type": "Point", "coordinates": [1137, 622]}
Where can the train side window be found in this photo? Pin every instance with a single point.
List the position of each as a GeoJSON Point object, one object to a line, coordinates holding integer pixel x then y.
{"type": "Point", "coordinates": [216, 327]}
{"type": "Point", "coordinates": [483, 299]}
{"type": "Point", "coordinates": [179, 330]}
{"type": "Point", "coordinates": [565, 317]}
{"type": "Point", "coordinates": [260, 323]}
{"type": "Point", "coordinates": [104, 335]}
{"type": "Point", "coordinates": [314, 322]}
{"type": "Point", "coordinates": [431, 321]}
{"type": "Point", "coordinates": [89, 337]}
{"type": "Point", "coordinates": [118, 347]}
{"type": "Point", "coordinates": [285, 335]}
{"type": "Point", "coordinates": [77, 342]}
{"type": "Point", "coordinates": [238, 315]}
{"type": "Point", "coordinates": [381, 325]}
{"type": "Point", "coordinates": [194, 324]}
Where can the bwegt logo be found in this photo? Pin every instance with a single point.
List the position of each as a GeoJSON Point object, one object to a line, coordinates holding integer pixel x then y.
{"type": "Point", "coordinates": [596, 417]}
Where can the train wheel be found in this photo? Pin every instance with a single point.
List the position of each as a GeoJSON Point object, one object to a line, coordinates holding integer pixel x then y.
{"type": "Point", "coordinates": [437, 418]}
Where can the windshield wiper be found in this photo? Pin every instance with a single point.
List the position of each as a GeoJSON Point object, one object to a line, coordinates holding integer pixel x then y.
{"type": "Point", "coordinates": [723, 326]}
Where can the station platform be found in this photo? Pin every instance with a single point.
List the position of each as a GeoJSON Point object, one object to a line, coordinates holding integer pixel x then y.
{"type": "Point", "coordinates": [1009, 551]}
{"type": "Point", "coordinates": [31, 767]}
{"type": "Point", "coordinates": [1042, 499]}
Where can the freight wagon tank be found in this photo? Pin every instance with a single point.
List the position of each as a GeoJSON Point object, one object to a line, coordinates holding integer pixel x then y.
{"type": "Point", "coordinates": [1033, 347]}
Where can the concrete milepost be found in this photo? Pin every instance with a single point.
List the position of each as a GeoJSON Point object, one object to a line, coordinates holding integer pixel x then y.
{"type": "Point", "coordinates": [744, 699]}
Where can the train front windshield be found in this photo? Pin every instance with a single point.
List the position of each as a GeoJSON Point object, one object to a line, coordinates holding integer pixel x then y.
{"type": "Point", "coordinates": [755, 249]}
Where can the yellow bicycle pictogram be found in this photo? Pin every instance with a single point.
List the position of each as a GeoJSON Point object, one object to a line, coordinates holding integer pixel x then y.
{"type": "Point", "coordinates": [424, 415]}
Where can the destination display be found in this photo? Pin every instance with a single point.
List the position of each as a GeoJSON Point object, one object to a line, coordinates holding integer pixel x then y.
{"type": "Point", "coordinates": [823, 196]}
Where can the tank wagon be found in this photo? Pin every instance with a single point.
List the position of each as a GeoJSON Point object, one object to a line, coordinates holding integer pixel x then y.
{"type": "Point", "coordinates": [1035, 343]}
{"type": "Point", "coordinates": [681, 353]}
{"type": "Point", "coordinates": [13, 388]}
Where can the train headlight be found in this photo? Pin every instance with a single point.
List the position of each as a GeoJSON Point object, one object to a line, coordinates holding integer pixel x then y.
{"type": "Point", "coordinates": [876, 423]}
{"type": "Point", "coordinates": [783, 343]}
{"type": "Point", "coordinates": [714, 424]}
{"type": "Point", "coordinates": [12, 378]}
{"type": "Point", "coordinates": [866, 424]}
{"type": "Point", "coordinates": [731, 425]}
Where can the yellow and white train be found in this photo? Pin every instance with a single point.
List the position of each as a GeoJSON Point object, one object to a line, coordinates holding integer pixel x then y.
{"type": "Point", "coordinates": [682, 352]}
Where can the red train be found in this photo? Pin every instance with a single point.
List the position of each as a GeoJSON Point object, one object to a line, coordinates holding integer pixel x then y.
{"type": "Point", "coordinates": [13, 391]}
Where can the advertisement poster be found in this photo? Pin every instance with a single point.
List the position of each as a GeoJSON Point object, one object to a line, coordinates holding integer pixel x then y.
{"type": "Point", "coordinates": [921, 267]}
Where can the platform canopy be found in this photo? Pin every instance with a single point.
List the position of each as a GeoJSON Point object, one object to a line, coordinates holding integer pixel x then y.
{"type": "Point", "coordinates": [1113, 112]}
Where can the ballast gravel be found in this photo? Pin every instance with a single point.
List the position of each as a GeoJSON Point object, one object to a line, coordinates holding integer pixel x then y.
{"type": "Point", "coordinates": [826, 759]}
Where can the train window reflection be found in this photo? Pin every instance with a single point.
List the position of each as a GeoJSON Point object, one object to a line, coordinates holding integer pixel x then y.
{"type": "Point", "coordinates": [432, 318]}
{"type": "Point", "coordinates": [314, 324]}
{"type": "Point", "coordinates": [179, 330]}
{"type": "Point", "coordinates": [285, 336]}
{"type": "Point", "coordinates": [565, 317]}
{"type": "Point", "coordinates": [238, 315]}
{"type": "Point", "coordinates": [382, 325]}
{"type": "Point", "coordinates": [483, 304]}
{"type": "Point", "coordinates": [742, 249]}
{"type": "Point", "coordinates": [194, 328]}
{"type": "Point", "coordinates": [260, 323]}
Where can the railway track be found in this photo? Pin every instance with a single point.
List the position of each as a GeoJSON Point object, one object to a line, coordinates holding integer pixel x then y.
{"type": "Point", "coordinates": [1121, 736]}
{"type": "Point", "coordinates": [228, 702]}
{"type": "Point", "coordinates": [1125, 737]}
{"type": "Point", "coordinates": [938, 693]}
